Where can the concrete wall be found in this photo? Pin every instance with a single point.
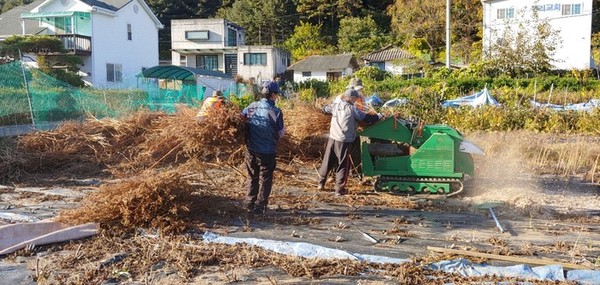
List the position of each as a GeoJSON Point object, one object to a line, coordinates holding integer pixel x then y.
{"type": "Point", "coordinates": [574, 52]}
{"type": "Point", "coordinates": [110, 44]}
{"type": "Point", "coordinates": [277, 62]}
{"type": "Point", "coordinates": [320, 75]}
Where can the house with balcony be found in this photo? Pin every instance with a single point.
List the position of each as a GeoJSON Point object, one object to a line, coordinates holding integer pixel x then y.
{"type": "Point", "coordinates": [219, 45]}
{"type": "Point", "coordinates": [116, 39]}
{"type": "Point", "coordinates": [572, 19]}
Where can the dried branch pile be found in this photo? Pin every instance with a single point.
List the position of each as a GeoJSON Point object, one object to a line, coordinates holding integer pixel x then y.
{"type": "Point", "coordinates": [137, 147]}
{"type": "Point", "coordinates": [151, 200]}
{"type": "Point", "coordinates": [179, 138]}
{"type": "Point", "coordinates": [306, 126]}
{"type": "Point", "coordinates": [166, 200]}
{"type": "Point", "coordinates": [305, 121]}
{"type": "Point", "coordinates": [144, 140]}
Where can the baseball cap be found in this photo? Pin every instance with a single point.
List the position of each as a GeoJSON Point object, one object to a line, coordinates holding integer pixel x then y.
{"type": "Point", "coordinates": [270, 87]}
{"type": "Point", "coordinates": [350, 93]}
{"type": "Point", "coordinates": [355, 83]}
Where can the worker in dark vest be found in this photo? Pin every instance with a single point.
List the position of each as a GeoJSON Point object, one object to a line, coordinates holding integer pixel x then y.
{"type": "Point", "coordinates": [265, 128]}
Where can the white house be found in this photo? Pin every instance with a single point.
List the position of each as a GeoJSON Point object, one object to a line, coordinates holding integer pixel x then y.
{"type": "Point", "coordinates": [324, 67]}
{"type": "Point", "coordinates": [571, 18]}
{"type": "Point", "coordinates": [115, 38]}
{"type": "Point", "coordinates": [218, 44]}
{"type": "Point", "coordinates": [391, 59]}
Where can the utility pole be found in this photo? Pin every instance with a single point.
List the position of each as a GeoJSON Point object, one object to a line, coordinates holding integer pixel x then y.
{"type": "Point", "coordinates": [448, 34]}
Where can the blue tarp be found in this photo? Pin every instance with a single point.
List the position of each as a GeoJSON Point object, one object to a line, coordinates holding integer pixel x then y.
{"type": "Point", "coordinates": [478, 99]}
{"type": "Point", "coordinates": [374, 101]}
{"type": "Point", "coordinates": [587, 106]}
{"type": "Point", "coordinates": [395, 102]}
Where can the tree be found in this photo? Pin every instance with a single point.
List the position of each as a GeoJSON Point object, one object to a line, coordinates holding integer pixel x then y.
{"type": "Point", "coordinates": [527, 47]}
{"type": "Point", "coordinates": [420, 19]}
{"type": "Point", "coordinates": [466, 29]}
{"type": "Point", "coordinates": [306, 41]}
{"type": "Point", "coordinates": [596, 47]}
{"type": "Point", "coordinates": [266, 22]}
{"type": "Point", "coordinates": [425, 21]}
{"type": "Point", "coordinates": [328, 12]}
{"type": "Point", "coordinates": [9, 4]}
{"type": "Point", "coordinates": [595, 18]}
{"type": "Point", "coordinates": [377, 10]}
{"type": "Point", "coordinates": [359, 36]}
{"type": "Point", "coordinates": [49, 52]}
{"type": "Point", "coordinates": [167, 10]}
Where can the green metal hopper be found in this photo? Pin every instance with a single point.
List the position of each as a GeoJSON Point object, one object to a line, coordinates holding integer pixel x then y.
{"type": "Point", "coordinates": [408, 157]}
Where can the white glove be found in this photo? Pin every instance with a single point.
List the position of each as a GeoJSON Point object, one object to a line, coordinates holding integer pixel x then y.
{"type": "Point", "coordinates": [380, 115]}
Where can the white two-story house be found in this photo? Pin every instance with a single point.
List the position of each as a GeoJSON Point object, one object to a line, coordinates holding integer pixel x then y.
{"type": "Point", "coordinates": [219, 44]}
{"type": "Point", "coordinates": [115, 38]}
{"type": "Point", "coordinates": [572, 19]}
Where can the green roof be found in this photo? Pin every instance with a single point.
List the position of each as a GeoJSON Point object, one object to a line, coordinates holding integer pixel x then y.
{"type": "Point", "coordinates": [180, 72]}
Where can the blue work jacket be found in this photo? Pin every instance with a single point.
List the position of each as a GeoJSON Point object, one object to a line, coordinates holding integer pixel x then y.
{"type": "Point", "coordinates": [265, 126]}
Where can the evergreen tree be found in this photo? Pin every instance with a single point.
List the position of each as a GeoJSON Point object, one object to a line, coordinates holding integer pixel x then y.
{"type": "Point", "coordinates": [267, 22]}
{"type": "Point", "coordinates": [306, 41]}
{"type": "Point", "coordinates": [360, 36]}
{"type": "Point", "coordinates": [167, 10]}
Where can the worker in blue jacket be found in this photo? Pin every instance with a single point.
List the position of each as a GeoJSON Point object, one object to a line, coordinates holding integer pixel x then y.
{"type": "Point", "coordinates": [265, 128]}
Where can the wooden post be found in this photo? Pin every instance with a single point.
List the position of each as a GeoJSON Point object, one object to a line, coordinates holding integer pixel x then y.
{"type": "Point", "coordinates": [525, 260]}
{"type": "Point", "coordinates": [550, 95]}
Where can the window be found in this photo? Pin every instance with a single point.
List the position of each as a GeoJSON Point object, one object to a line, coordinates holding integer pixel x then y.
{"type": "Point", "coordinates": [571, 9]}
{"type": "Point", "coordinates": [209, 61]}
{"type": "Point", "coordinates": [129, 32]}
{"type": "Point", "coordinates": [505, 13]}
{"type": "Point", "coordinates": [566, 9]}
{"type": "Point", "coordinates": [114, 72]}
{"type": "Point", "coordinates": [306, 73]}
{"type": "Point", "coordinates": [197, 35]}
{"type": "Point", "coordinates": [378, 64]}
{"type": "Point", "coordinates": [231, 37]}
{"type": "Point", "coordinates": [255, 58]}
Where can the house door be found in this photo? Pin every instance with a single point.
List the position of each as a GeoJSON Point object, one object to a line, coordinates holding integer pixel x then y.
{"type": "Point", "coordinates": [231, 64]}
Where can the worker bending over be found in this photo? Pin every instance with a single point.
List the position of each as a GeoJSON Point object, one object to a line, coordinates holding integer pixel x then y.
{"type": "Point", "coordinates": [214, 102]}
{"type": "Point", "coordinates": [342, 133]}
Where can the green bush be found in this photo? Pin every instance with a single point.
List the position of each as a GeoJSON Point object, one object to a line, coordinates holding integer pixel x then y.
{"type": "Point", "coordinates": [320, 88]}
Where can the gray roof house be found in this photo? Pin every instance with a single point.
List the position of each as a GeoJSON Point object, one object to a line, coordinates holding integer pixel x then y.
{"type": "Point", "coordinates": [391, 59]}
{"type": "Point", "coordinates": [116, 39]}
{"type": "Point", "coordinates": [11, 19]}
{"type": "Point", "coordinates": [324, 67]}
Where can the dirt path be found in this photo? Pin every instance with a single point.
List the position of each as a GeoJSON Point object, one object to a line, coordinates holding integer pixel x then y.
{"type": "Point", "coordinates": [542, 218]}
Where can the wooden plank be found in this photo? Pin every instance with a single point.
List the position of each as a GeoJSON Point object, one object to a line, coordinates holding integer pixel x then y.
{"type": "Point", "coordinates": [525, 260]}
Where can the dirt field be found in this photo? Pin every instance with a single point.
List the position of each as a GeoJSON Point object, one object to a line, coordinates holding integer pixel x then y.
{"type": "Point", "coordinates": [543, 217]}
{"type": "Point", "coordinates": [155, 185]}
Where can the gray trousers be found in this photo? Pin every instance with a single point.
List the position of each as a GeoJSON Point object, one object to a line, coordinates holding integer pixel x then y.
{"type": "Point", "coordinates": [336, 158]}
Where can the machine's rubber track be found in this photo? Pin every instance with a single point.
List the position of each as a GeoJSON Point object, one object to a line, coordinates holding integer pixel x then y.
{"type": "Point", "coordinates": [455, 184]}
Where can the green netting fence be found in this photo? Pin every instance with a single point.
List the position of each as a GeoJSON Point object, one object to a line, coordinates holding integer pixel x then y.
{"type": "Point", "coordinates": [29, 96]}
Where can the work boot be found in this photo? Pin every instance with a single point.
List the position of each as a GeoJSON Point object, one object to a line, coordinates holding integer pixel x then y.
{"type": "Point", "coordinates": [341, 192]}
{"type": "Point", "coordinates": [250, 208]}
{"type": "Point", "coordinates": [259, 210]}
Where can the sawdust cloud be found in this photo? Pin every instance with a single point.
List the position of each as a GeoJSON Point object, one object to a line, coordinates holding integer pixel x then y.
{"type": "Point", "coordinates": [503, 174]}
